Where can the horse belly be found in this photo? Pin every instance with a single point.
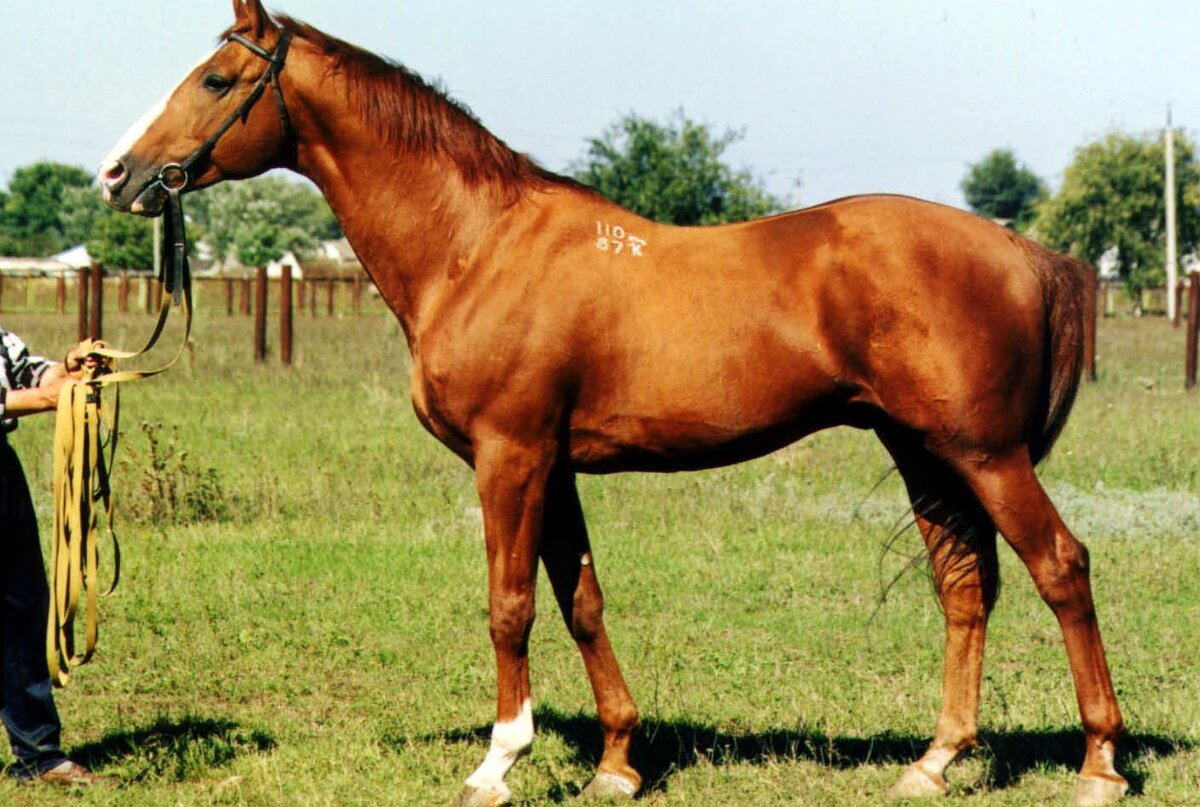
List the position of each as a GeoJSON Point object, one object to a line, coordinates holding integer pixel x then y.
{"type": "Point", "coordinates": [679, 418]}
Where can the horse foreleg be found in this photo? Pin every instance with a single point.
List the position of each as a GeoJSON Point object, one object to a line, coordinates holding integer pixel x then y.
{"type": "Point", "coordinates": [1010, 491]}
{"type": "Point", "coordinates": [572, 571]}
{"type": "Point", "coordinates": [961, 542]}
{"type": "Point", "coordinates": [512, 490]}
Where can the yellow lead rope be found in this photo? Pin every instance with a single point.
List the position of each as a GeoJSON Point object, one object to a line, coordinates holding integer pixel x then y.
{"type": "Point", "coordinates": [82, 495]}
{"type": "Point", "coordinates": [85, 442]}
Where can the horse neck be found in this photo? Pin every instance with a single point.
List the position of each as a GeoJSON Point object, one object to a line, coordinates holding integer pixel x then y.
{"type": "Point", "coordinates": [409, 217]}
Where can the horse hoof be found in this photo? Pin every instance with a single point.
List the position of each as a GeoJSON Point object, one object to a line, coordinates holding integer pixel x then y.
{"type": "Point", "coordinates": [918, 783]}
{"type": "Point", "coordinates": [1096, 791]}
{"type": "Point", "coordinates": [482, 796]}
{"type": "Point", "coordinates": [609, 786]}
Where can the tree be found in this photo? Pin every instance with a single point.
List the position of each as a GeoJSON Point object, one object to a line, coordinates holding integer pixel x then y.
{"type": "Point", "coordinates": [122, 241]}
{"type": "Point", "coordinates": [672, 172]}
{"type": "Point", "coordinates": [261, 219]}
{"type": "Point", "coordinates": [29, 219]}
{"type": "Point", "coordinates": [78, 213]}
{"type": "Point", "coordinates": [1112, 196]}
{"type": "Point", "coordinates": [997, 187]}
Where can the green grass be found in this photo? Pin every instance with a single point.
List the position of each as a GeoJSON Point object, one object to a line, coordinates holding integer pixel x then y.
{"type": "Point", "coordinates": [311, 630]}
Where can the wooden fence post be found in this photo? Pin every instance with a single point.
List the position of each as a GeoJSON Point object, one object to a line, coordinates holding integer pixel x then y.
{"type": "Point", "coordinates": [1089, 325]}
{"type": "Point", "coordinates": [285, 314]}
{"type": "Point", "coordinates": [60, 295]}
{"type": "Point", "coordinates": [329, 297]}
{"type": "Point", "coordinates": [260, 314]}
{"type": "Point", "coordinates": [229, 297]}
{"type": "Point", "coordinates": [244, 296]}
{"type": "Point", "coordinates": [1193, 332]}
{"type": "Point", "coordinates": [123, 292]}
{"type": "Point", "coordinates": [356, 294]}
{"type": "Point", "coordinates": [2, 290]}
{"type": "Point", "coordinates": [96, 320]}
{"type": "Point", "coordinates": [82, 329]}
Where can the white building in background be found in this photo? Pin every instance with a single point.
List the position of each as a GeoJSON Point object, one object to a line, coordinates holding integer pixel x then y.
{"type": "Point", "coordinates": [275, 268]}
{"type": "Point", "coordinates": [75, 257]}
{"type": "Point", "coordinates": [1107, 265]}
{"type": "Point", "coordinates": [63, 262]}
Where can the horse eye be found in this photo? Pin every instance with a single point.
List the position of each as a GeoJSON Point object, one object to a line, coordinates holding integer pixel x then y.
{"type": "Point", "coordinates": [217, 83]}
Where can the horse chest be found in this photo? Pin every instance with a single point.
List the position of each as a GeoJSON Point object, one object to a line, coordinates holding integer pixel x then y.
{"type": "Point", "coordinates": [432, 404]}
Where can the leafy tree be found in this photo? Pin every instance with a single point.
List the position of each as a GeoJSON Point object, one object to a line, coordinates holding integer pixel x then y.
{"type": "Point", "coordinates": [1112, 196]}
{"type": "Point", "coordinates": [260, 219]}
{"type": "Point", "coordinates": [998, 188]}
{"type": "Point", "coordinates": [78, 213]}
{"type": "Point", "coordinates": [672, 172]}
{"type": "Point", "coordinates": [122, 241]}
{"type": "Point", "coordinates": [29, 219]}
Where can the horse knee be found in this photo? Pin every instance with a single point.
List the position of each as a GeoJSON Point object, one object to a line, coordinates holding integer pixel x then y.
{"type": "Point", "coordinates": [510, 617]}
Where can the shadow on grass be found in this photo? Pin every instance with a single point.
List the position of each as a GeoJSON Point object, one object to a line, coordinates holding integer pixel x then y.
{"type": "Point", "coordinates": [173, 749]}
{"type": "Point", "coordinates": [664, 747]}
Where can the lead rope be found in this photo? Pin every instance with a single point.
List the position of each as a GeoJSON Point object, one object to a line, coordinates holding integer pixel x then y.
{"type": "Point", "coordinates": [85, 443]}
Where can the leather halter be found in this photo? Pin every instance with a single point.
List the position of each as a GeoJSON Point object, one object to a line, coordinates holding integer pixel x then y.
{"type": "Point", "coordinates": [174, 178]}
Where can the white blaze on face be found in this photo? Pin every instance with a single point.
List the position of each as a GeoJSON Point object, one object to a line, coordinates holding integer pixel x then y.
{"type": "Point", "coordinates": [135, 132]}
{"type": "Point", "coordinates": [510, 739]}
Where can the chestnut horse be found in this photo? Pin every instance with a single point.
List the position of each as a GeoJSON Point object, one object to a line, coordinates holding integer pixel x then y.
{"type": "Point", "coordinates": [553, 332]}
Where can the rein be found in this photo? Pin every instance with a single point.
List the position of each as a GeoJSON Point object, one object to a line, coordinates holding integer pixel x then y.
{"type": "Point", "coordinates": [85, 436]}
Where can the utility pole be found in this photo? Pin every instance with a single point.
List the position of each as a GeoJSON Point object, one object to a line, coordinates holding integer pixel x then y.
{"type": "Point", "coordinates": [1169, 191]}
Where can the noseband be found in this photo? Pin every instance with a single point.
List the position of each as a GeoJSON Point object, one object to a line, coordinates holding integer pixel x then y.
{"type": "Point", "coordinates": [175, 177]}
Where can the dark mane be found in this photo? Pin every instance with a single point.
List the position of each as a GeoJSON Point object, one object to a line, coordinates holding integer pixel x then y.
{"type": "Point", "coordinates": [417, 116]}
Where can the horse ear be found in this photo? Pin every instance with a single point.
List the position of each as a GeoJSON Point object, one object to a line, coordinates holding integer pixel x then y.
{"type": "Point", "coordinates": [251, 14]}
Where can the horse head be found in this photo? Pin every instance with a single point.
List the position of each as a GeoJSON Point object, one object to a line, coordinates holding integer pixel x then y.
{"type": "Point", "coordinates": [210, 127]}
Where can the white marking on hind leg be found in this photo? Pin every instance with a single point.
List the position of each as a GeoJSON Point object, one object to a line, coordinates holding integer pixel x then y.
{"type": "Point", "coordinates": [510, 740]}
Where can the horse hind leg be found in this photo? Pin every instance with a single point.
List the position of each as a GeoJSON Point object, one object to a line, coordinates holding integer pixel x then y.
{"type": "Point", "coordinates": [566, 554]}
{"type": "Point", "coordinates": [961, 543]}
{"type": "Point", "coordinates": [1009, 490]}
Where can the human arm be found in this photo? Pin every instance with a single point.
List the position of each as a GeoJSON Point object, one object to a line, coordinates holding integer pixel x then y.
{"type": "Point", "coordinates": [29, 401]}
{"type": "Point", "coordinates": [37, 381]}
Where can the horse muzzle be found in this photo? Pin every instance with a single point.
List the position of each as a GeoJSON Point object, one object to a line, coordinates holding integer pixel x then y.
{"type": "Point", "coordinates": [132, 190]}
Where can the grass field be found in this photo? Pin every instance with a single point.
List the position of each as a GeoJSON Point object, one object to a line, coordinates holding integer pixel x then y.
{"type": "Point", "coordinates": [301, 618]}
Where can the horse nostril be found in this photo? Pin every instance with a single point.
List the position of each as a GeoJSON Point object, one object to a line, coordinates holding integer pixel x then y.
{"type": "Point", "coordinates": [113, 175]}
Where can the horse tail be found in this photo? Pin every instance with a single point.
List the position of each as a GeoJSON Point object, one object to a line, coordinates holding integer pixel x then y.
{"type": "Point", "coordinates": [1064, 289]}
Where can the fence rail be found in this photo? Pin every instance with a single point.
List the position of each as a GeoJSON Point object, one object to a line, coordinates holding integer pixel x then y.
{"type": "Point", "coordinates": [95, 291]}
{"type": "Point", "coordinates": [340, 296]}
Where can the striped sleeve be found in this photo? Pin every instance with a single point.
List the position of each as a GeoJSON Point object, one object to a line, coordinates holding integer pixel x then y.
{"type": "Point", "coordinates": [19, 369]}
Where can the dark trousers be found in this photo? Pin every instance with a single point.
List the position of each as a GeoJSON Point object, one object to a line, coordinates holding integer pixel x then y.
{"type": "Point", "coordinates": [26, 703]}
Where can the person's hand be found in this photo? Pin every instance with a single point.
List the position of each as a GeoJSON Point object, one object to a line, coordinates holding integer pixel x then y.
{"type": "Point", "coordinates": [81, 357]}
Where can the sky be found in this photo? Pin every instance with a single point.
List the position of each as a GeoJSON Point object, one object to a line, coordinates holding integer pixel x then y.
{"type": "Point", "coordinates": [833, 97]}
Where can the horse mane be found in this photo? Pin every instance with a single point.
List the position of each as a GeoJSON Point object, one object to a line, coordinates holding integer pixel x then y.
{"type": "Point", "coordinates": [418, 116]}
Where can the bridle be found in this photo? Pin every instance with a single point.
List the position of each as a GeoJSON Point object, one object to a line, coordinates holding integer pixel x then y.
{"type": "Point", "coordinates": [175, 177]}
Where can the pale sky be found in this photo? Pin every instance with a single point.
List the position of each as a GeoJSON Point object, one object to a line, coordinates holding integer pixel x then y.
{"type": "Point", "coordinates": [848, 97]}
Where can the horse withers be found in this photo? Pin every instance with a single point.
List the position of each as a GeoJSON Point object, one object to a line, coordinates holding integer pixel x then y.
{"type": "Point", "coordinates": [554, 333]}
